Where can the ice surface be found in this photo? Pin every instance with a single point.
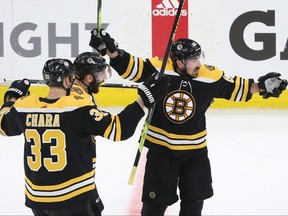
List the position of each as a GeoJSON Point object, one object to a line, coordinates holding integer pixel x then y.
{"type": "Point", "coordinates": [248, 151]}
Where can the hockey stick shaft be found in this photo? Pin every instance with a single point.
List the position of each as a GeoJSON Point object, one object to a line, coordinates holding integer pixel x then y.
{"type": "Point", "coordinates": [99, 15]}
{"type": "Point", "coordinates": [151, 110]}
{"type": "Point", "coordinates": [42, 82]}
{"type": "Point", "coordinates": [171, 38]}
{"type": "Point", "coordinates": [32, 81]}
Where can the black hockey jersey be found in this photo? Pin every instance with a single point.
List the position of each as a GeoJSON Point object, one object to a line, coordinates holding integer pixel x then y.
{"type": "Point", "coordinates": [178, 124]}
{"type": "Point", "coordinates": [58, 150]}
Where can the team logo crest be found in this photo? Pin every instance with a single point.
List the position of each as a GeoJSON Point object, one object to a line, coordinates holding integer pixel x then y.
{"type": "Point", "coordinates": [179, 106]}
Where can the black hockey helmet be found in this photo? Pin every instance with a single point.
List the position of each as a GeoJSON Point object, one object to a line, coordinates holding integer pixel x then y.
{"type": "Point", "coordinates": [185, 48]}
{"type": "Point", "coordinates": [56, 69]}
{"type": "Point", "coordinates": [89, 62]}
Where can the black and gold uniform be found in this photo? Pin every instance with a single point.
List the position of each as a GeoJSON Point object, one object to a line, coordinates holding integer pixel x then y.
{"type": "Point", "coordinates": [57, 137]}
{"type": "Point", "coordinates": [176, 138]}
{"type": "Point", "coordinates": [178, 124]}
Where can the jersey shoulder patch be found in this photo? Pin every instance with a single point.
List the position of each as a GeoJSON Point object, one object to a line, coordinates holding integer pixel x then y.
{"type": "Point", "coordinates": [76, 90]}
{"type": "Point", "coordinates": [79, 93]}
{"type": "Point", "coordinates": [209, 73]}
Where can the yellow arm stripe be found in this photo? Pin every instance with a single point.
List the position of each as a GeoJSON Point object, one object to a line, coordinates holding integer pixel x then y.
{"type": "Point", "coordinates": [139, 70]}
{"type": "Point", "coordinates": [2, 132]}
{"type": "Point", "coordinates": [118, 129]}
{"type": "Point", "coordinates": [127, 72]}
{"type": "Point", "coordinates": [60, 198]}
{"type": "Point", "coordinates": [3, 112]}
{"type": "Point", "coordinates": [237, 86]}
{"type": "Point", "coordinates": [108, 130]}
{"type": "Point", "coordinates": [246, 89]}
{"type": "Point", "coordinates": [62, 185]}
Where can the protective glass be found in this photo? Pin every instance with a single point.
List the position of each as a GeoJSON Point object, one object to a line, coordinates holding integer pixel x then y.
{"type": "Point", "coordinates": [103, 75]}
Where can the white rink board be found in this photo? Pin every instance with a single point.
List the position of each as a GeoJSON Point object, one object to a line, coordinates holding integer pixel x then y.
{"type": "Point", "coordinates": [129, 22]}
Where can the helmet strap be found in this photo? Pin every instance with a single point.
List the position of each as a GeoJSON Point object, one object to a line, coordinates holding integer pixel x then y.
{"type": "Point", "coordinates": [68, 89]}
{"type": "Point", "coordinates": [89, 87]}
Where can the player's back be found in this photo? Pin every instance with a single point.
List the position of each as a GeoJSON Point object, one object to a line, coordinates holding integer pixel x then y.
{"type": "Point", "coordinates": [58, 152]}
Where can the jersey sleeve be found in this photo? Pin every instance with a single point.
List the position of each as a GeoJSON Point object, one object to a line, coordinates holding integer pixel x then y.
{"type": "Point", "coordinates": [222, 86]}
{"type": "Point", "coordinates": [235, 88]}
{"type": "Point", "coordinates": [114, 127]}
{"type": "Point", "coordinates": [8, 120]}
{"type": "Point", "coordinates": [132, 68]}
{"type": "Point", "coordinates": [240, 91]}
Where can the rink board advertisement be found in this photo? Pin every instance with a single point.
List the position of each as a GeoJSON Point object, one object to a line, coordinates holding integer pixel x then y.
{"type": "Point", "coordinates": [163, 14]}
{"type": "Point", "coordinates": [249, 39]}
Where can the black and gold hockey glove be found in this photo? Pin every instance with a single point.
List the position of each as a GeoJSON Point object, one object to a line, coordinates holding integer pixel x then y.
{"type": "Point", "coordinates": [270, 85]}
{"type": "Point", "coordinates": [97, 42]}
{"type": "Point", "coordinates": [101, 41]}
{"type": "Point", "coordinates": [152, 90]}
{"type": "Point", "coordinates": [17, 89]}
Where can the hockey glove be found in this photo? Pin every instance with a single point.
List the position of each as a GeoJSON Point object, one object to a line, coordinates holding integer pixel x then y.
{"type": "Point", "coordinates": [270, 85]}
{"type": "Point", "coordinates": [100, 40]}
{"type": "Point", "coordinates": [17, 89]}
{"type": "Point", "coordinates": [110, 43]}
{"type": "Point", "coordinates": [97, 42]}
{"type": "Point", "coordinates": [152, 90]}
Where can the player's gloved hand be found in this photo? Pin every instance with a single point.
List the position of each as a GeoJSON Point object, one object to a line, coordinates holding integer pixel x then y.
{"type": "Point", "coordinates": [102, 45]}
{"type": "Point", "coordinates": [270, 85]}
{"type": "Point", "coordinates": [110, 43]}
{"type": "Point", "coordinates": [97, 42]}
{"type": "Point", "coordinates": [152, 90]}
{"type": "Point", "coordinates": [17, 89]}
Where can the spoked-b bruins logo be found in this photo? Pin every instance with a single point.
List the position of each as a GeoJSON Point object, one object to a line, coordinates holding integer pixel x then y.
{"type": "Point", "coordinates": [179, 106]}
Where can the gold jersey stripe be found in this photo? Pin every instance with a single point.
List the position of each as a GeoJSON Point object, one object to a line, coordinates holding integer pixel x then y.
{"type": "Point", "coordinates": [178, 136]}
{"type": "Point", "coordinates": [3, 112]}
{"type": "Point", "coordinates": [175, 147]}
{"type": "Point", "coordinates": [237, 86]}
{"type": "Point", "coordinates": [62, 185]}
{"type": "Point", "coordinates": [118, 129]}
{"type": "Point", "coordinates": [108, 130]}
{"type": "Point", "coordinates": [246, 89]}
{"type": "Point", "coordinates": [139, 70]}
{"type": "Point", "coordinates": [127, 72]}
{"type": "Point", "coordinates": [60, 198]}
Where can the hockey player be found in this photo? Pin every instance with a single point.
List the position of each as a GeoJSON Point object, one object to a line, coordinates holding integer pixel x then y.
{"type": "Point", "coordinates": [176, 139]}
{"type": "Point", "coordinates": [57, 129]}
{"type": "Point", "coordinates": [90, 71]}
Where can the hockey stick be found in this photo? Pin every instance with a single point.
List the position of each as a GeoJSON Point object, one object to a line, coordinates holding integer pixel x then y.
{"type": "Point", "coordinates": [99, 15]}
{"type": "Point", "coordinates": [151, 110]}
{"type": "Point", "coordinates": [32, 81]}
{"type": "Point", "coordinates": [42, 82]}
{"type": "Point", "coordinates": [99, 20]}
